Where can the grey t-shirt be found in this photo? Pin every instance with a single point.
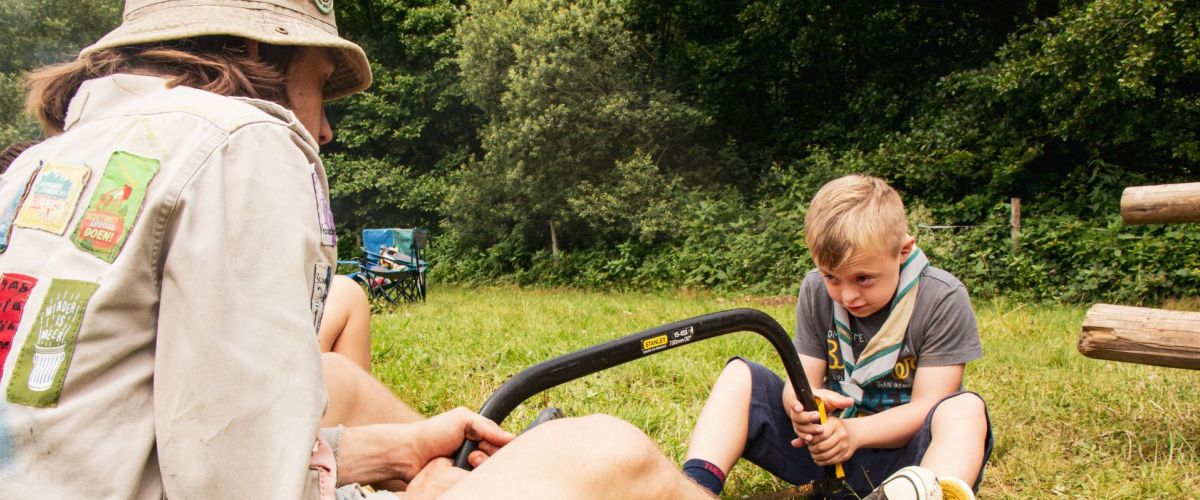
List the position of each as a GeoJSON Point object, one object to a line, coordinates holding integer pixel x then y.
{"type": "Point", "coordinates": [942, 330]}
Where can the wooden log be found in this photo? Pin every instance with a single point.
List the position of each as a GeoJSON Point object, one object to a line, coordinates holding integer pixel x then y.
{"type": "Point", "coordinates": [1161, 204]}
{"type": "Point", "coordinates": [1142, 335]}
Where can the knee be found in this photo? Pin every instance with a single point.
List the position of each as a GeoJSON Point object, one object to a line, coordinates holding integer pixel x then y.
{"type": "Point", "coordinates": [339, 372]}
{"type": "Point", "coordinates": [965, 407]}
{"type": "Point", "coordinates": [735, 375]}
{"type": "Point", "coordinates": [610, 442]}
{"type": "Point", "coordinates": [347, 292]}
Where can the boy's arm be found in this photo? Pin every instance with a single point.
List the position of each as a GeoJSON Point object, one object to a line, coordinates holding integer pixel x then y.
{"type": "Point", "coordinates": [895, 427]}
{"type": "Point", "coordinates": [814, 371]}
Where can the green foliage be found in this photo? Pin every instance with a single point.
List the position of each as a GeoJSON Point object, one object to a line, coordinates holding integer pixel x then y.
{"type": "Point", "coordinates": [397, 144]}
{"type": "Point", "coordinates": [563, 108]}
{"type": "Point", "coordinates": [1106, 89]}
{"type": "Point", "coordinates": [1065, 259]}
{"type": "Point", "coordinates": [39, 32]}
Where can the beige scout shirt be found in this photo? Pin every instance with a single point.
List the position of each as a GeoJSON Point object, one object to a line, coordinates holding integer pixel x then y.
{"type": "Point", "coordinates": [166, 260]}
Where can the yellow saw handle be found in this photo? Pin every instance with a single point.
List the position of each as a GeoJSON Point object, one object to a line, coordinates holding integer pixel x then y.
{"type": "Point", "coordinates": [841, 473]}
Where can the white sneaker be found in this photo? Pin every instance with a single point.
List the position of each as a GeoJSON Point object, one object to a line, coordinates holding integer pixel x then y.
{"type": "Point", "coordinates": [909, 483]}
{"type": "Point", "coordinates": [919, 483]}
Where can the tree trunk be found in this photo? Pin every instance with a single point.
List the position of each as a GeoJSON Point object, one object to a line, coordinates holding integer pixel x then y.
{"type": "Point", "coordinates": [1142, 335]}
{"type": "Point", "coordinates": [553, 241]}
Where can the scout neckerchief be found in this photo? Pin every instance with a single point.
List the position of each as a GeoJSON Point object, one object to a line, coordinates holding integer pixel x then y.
{"type": "Point", "coordinates": [879, 356]}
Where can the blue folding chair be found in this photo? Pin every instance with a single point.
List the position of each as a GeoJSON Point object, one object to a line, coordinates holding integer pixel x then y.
{"type": "Point", "coordinates": [391, 267]}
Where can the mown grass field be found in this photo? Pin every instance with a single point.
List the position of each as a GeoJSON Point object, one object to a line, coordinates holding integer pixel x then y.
{"type": "Point", "coordinates": [1065, 425]}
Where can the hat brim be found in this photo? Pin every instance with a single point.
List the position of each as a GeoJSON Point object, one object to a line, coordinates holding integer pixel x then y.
{"type": "Point", "coordinates": [352, 72]}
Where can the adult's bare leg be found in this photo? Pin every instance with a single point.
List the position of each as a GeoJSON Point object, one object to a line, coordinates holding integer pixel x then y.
{"type": "Point", "coordinates": [356, 398]}
{"type": "Point", "coordinates": [346, 323]}
{"type": "Point", "coordinates": [593, 457]}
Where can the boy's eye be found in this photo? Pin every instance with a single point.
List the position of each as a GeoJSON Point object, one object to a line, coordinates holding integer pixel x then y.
{"type": "Point", "coordinates": [864, 280]}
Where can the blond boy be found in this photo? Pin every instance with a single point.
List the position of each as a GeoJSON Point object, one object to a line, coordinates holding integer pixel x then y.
{"type": "Point", "coordinates": [886, 337]}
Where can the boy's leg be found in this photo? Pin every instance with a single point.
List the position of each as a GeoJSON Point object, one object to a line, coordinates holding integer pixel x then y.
{"type": "Point", "coordinates": [954, 442]}
{"type": "Point", "coordinates": [356, 398]}
{"type": "Point", "coordinates": [960, 438]}
{"type": "Point", "coordinates": [720, 432]}
{"type": "Point", "coordinates": [346, 323]}
{"type": "Point", "coordinates": [594, 457]}
{"type": "Point", "coordinates": [744, 417]}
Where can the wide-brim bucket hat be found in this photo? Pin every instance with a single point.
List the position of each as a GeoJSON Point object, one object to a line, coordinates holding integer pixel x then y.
{"type": "Point", "coordinates": [277, 22]}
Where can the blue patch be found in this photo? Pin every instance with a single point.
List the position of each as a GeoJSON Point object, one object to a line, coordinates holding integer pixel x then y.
{"type": "Point", "coordinates": [7, 450]}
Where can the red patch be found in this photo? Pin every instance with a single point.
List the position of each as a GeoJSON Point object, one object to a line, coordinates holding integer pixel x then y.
{"type": "Point", "coordinates": [14, 291]}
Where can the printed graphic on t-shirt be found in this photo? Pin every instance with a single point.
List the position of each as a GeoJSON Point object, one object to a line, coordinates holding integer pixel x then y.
{"type": "Point", "coordinates": [115, 205]}
{"type": "Point", "coordinates": [14, 291]}
{"type": "Point", "coordinates": [37, 378]}
{"type": "Point", "coordinates": [324, 214]}
{"type": "Point", "coordinates": [51, 201]}
{"type": "Point", "coordinates": [889, 391]}
{"type": "Point", "coordinates": [10, 211]}
{"type": "Point", "coordinates": [320, 291]}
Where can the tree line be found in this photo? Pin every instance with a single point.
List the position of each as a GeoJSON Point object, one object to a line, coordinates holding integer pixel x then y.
{"type": "Point", "coordinates": [658, 144]}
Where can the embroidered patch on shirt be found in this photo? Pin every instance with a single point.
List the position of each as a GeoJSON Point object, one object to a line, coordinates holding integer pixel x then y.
{"type": "Point", "coordinates": [324, 214]}
{"type": "Point", "coordinates": [320, 291]}
{"type": "Point", "coordinates": [37, 378]}
{"type": "Point", "coordinates": [10, 212]}
{"type": "Point", "coordinates": [115, 205]}
{"type": "Point", "coordinates": [51, 201]}
{"type": "Point", "coordinates": [14, 291]}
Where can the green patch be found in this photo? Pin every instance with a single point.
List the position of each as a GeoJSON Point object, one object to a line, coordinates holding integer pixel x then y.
{"type": "Point", "coordinates": [115, 205]}
{"type": "Point", "coordinates": [38, 376]}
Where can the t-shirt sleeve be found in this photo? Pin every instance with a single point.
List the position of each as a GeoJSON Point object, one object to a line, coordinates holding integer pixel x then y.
{"type": "Point", "coordinates": [810, 329]}
{"type": "Point", "coordinates": [952, 335]}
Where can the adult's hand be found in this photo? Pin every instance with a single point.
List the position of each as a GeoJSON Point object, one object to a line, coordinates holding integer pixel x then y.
{"type": "Point", "coordinates": [437, 477]}
{"type": "Point", "coordinates": [442, 435]}
{"type": "Point", "coordinates": [373, 453]}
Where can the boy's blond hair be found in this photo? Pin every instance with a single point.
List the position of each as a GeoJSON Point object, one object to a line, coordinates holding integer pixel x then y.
{"type": "Point", "coordinates": [852, 217]}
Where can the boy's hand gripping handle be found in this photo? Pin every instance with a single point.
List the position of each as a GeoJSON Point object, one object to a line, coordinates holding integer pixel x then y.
{"type": "Point", "coordinates": [838, 471]}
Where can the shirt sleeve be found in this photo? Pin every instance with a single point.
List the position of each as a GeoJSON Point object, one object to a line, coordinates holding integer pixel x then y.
{"type": "Point", "coordinates": [952, 335]}
{"type": "Point", "coordinates": [810, 329]}
{"type": "Point", "coordinates": [238, 389]}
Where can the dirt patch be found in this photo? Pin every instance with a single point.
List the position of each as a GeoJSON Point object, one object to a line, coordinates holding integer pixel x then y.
{"type": "Point", "coordinates": [775, 300]}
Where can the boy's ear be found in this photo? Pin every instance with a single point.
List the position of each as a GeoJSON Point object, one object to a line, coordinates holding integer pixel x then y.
{"type": "Point", "coordinates": [906, 247]}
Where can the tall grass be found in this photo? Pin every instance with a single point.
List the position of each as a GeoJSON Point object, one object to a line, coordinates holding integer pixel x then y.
{"type": "Point", "coordinates": [1065, 425]}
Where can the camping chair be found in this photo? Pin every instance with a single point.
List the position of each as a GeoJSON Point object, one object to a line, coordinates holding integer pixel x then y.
{"type": "Point", "coordinates": [391, 267]}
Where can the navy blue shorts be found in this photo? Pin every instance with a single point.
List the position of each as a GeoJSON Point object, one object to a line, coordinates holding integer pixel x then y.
{"type": "Point", "coordinates": [768, 442]}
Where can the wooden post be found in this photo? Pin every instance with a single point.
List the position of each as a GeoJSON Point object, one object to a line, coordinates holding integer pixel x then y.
{"type": "Point", "coordinates": [1016, 224]}
{"type": "Point", "coordinates": [1161, 204]}
{"type": "Point", "coordinates": [1142, 335]}
{"type": "Point", "coordinates": [553, 241]}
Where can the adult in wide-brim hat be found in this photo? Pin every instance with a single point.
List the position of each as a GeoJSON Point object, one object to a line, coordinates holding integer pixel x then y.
{"type": "Point", "coordinates": [173, 244]}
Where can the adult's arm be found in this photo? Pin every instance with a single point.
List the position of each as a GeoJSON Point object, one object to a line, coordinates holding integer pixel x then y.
{"type": "Point", "coordinates": [237, 389]}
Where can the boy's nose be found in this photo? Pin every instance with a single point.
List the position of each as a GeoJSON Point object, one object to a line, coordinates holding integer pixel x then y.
{"type": "Point", "coordinates": [849, 295]}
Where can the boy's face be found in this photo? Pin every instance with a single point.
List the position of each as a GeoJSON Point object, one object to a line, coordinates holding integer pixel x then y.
{"type": "Point", "coordinates": [867, 284]}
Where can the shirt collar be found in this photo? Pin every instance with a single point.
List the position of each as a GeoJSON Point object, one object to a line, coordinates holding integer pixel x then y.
{"type": "Point", "coordinates": [104, 96]}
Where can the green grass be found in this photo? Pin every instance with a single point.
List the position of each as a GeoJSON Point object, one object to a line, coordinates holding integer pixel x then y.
{"type": "Point", "coordinates": [1065, 425]}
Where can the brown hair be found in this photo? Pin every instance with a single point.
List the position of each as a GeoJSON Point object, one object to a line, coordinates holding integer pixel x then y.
{"type": "Point", "coordinates": [851, 217]}
{"type": "Point", "coordinates": [217, 64]}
